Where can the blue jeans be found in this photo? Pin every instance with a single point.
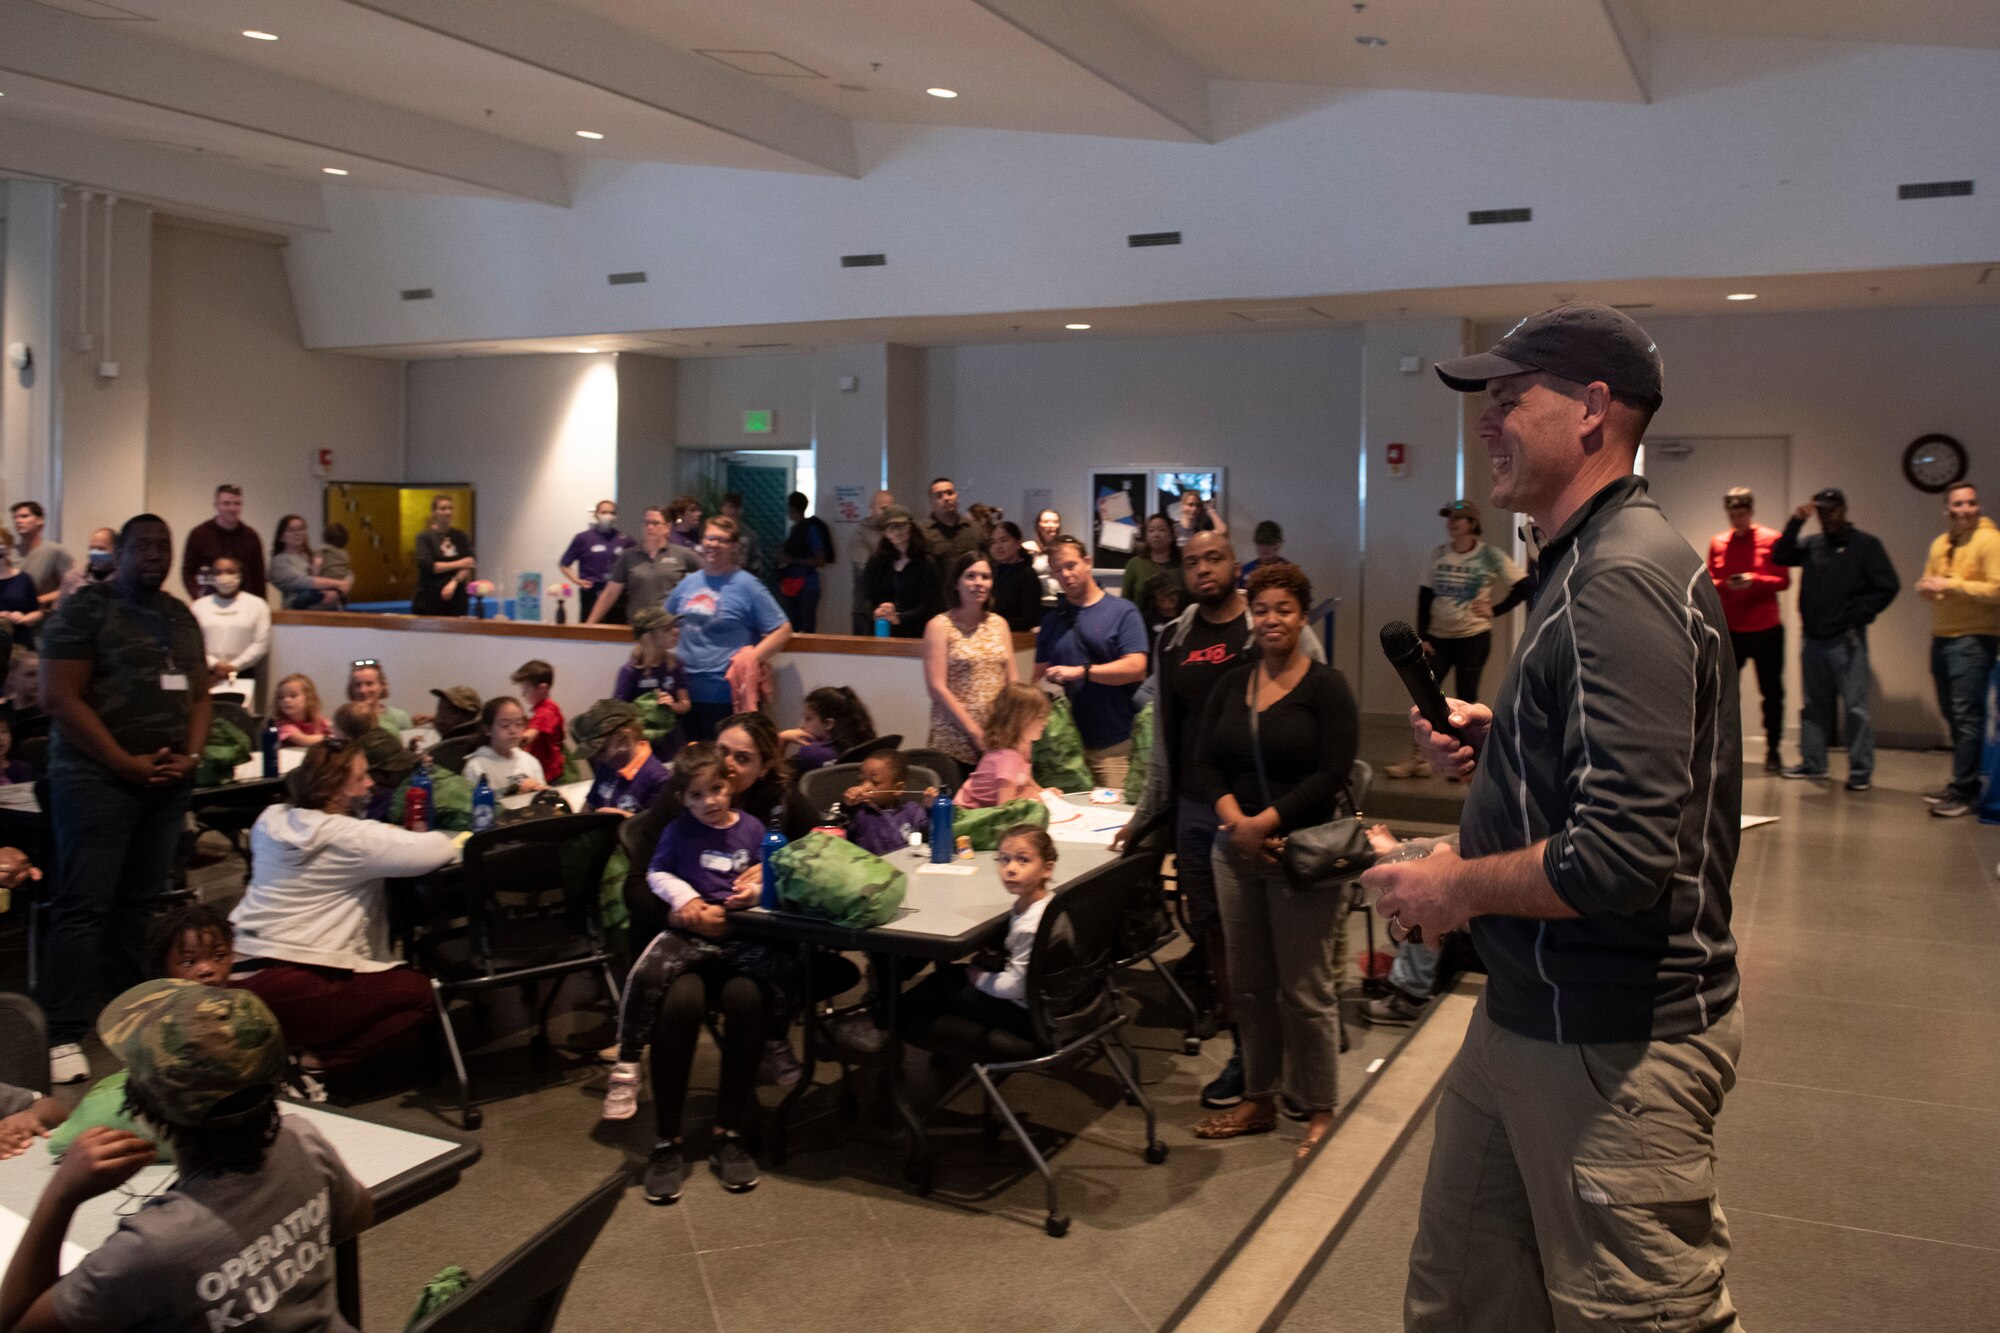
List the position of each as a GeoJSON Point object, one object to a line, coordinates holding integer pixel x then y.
{"type": "Point", "coordinates": [115, 850]}
{"type": "Point", "coordinates": [1838, 664]}
{"type": "Point", "coordinates": [1959, 667]}
{"type": "Point", "coordinates": [1415, 970]}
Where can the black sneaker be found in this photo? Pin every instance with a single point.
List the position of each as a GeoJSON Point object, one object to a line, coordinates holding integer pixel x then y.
{"type": "Point", "coordinates": [732, 1163]}
{"type": "Point", "coordinates": [1801, 771]}
{"type": "Point", "coordinates": [1394, 1010]}
{"type": "Point", "coordinates": [1773, 762]}
{"type": "Point", "coordinates": [1226, 1088]}
{"type": "Point", "coordinates": [662, 1181]}
{"type": "Point", "coordinates": [1952, 808]}
{"type": "Point", "coordinates": [1858, 784]}
{"type": "Point", "coordinates": [1938, 797]}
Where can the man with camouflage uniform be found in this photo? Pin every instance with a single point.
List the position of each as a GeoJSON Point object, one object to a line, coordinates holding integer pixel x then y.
{"type": "Point", "coordinates": [248, 1228]}
{"type": "Point", "coordinates": [125, 683]}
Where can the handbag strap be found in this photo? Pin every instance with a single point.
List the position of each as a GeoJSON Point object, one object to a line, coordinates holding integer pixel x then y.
{"type": "Point", "coordinates": [1256, 740]}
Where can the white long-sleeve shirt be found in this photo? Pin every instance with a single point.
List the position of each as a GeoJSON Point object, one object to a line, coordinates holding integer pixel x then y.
{"type": "Point", "coordinates": [1011, 983]}
{"type": "Point", "coordinates": [237, 631]}
{"type": "Point", "coordinates": [316, 896]}
{"type": "Point", "coordinates": [504, 773]}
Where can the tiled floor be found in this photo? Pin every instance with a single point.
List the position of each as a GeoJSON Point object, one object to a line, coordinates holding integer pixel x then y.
{"type": "Point", "coordinates": [1857, 1152]}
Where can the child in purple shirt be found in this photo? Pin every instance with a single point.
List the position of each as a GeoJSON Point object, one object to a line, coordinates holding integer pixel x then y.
{"type": "Point", "coordinates": [833, 721]}
{"type": "Point", "coordinates": [625, 776]}
{"type": "Point", "coordinates": [881, 815]}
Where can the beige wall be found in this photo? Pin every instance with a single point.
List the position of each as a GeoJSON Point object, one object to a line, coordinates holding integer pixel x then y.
{"type": "Point", "coordinates": [236, 397]}
{"type": "Point", "coordinates": [104, 432]}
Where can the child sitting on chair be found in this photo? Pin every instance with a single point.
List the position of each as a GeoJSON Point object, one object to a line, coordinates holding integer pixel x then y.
{"type": "Point", "coordinates": [997, 996]}
{"type": "Point", "coordinates": [833, 721]}
{"type": "Point", "coordinates": [1006, 771]}
{"type": "Point", "coordinates": [881, 813]}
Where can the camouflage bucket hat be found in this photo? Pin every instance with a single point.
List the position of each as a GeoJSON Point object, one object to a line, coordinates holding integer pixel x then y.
{"type": "Point", "coordinates": [599, 723]}
{"type": "Point", "coordinates": [191, 1048]}
{"type": "Point", "coordinates": [387, 756]}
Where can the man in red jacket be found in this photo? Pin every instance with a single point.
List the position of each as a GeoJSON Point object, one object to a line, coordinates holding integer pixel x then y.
{"type": "Point", "coordinates": [1739, 560]}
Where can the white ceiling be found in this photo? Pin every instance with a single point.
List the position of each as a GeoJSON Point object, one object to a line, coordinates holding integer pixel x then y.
{"type": "Point", "coordinates": [1940, 285]}
{"type": "Point", "coordinates": [1904, 23]}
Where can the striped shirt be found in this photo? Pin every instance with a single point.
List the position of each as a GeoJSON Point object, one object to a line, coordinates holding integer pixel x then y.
{"type": "Point", "coordinates": [1616, 737]}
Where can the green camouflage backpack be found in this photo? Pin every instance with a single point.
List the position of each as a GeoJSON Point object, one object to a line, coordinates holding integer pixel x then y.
{"type": "Point", "coordinates": [655, 719]}
{"type": "Point", "coordinates": [226, 748]}
{"type": "Point", "coordinates": [1058, 755]}
{"type": "Point", "coordinates": [1142, 753]}
{"type": "Point", "coordinates": [832, 879]}
{"type": "Point", "coordinates": [985, 826]}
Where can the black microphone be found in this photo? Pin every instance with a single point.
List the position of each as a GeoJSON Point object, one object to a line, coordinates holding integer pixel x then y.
{"type": "Point", "coordinates": [1405, 652]}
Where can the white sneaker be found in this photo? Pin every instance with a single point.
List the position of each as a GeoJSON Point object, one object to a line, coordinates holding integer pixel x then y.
{"type": "Point", "coordinates": [67, 1065]}
{"type": "Point", "coordinates": [857, 1032]}
{"type": "Point", "coordinates": [779, 1065]}
{"type": "Point", "coordinates": [622, 1101]}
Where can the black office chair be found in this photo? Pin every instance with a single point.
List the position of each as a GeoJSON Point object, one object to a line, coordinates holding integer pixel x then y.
{"type": "Point", "coordinates": [532, 915]}
{"type": "Point", "coordinates": [24, 1044]}
{"type": "Point", "coordinates": [1149, 926]}
{"type": "Point", "coordinates": [859, 752]}
{"type": "Point", "coordinates": [524, 1292]}
{"type": "Point", "coordinates": [950, 772]}
{"type": "Point", "coordinates": [1075, 1007]}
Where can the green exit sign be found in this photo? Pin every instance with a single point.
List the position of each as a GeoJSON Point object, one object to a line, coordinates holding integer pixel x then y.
{"type": "Point", "coordinates": [757, 421]}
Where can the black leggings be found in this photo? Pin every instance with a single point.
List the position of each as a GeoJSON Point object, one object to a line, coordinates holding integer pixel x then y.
{"type": "Point", "coordinates": [745, 1013]}
{"type": "Point", "coordinates": [1465, 656]}
{"type": "Point", "coordinates": [948, 993]}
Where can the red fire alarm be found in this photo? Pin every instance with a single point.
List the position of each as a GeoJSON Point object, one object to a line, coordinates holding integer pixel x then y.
{"type": "Point", "coordinates": [1396, 456]}
{"type": "Point", "coordinates": [322, 462]}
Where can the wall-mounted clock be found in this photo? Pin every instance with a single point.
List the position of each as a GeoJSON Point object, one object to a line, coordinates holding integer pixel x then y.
{"type": "Point", "coordinates": [1934, 463]}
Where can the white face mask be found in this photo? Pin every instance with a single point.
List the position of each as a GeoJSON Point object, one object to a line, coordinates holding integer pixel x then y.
{"type": "Point", "coordinates": [227, 585]}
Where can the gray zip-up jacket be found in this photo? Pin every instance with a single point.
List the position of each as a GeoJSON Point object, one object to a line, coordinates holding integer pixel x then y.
{"type": "Point", "coordinates": [1163, 766]}
{"type": "Point", "coordinates": [1616, 737]}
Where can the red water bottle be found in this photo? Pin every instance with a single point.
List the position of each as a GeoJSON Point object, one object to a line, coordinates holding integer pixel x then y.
{"type": "Point", "coordinates": [417, 809]}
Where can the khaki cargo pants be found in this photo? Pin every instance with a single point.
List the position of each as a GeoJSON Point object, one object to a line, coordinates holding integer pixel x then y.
{"type": "Point", "coordinates": [1573, 1187]}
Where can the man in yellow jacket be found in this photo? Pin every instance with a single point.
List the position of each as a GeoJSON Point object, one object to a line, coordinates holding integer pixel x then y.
{"type": "Point", "coordinates": [1962, 583]}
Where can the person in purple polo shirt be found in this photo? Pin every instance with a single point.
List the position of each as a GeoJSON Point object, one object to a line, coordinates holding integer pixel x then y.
{"type": "Point", "coordinates": [590, 556]}
{"type": "Point", "coordinates": [625, 776]}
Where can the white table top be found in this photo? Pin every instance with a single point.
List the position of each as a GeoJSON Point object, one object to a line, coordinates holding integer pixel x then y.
{"type": "Point", "coordinates": [251, 769]}
{"type": "Point", "coordinates": [1076, 819]}
{"type": "Point", "coordinates": [374, 1153]}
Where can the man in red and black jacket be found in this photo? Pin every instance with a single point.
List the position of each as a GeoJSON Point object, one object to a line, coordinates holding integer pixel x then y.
{"type": "Point", "coordinates": [1749, 581]}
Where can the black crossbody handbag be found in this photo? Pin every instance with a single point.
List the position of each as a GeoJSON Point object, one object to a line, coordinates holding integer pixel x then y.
{"type": "Point", "coordinates": [1323, 856]}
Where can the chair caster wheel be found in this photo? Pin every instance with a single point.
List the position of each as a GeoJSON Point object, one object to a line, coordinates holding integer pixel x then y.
{"type": "Point", "coordinates": [1056, 1226]}
{"type": "Point", "coordinates": [1156, 1153]}
{"type": "Point", "coordinates": [473, 1118]}
{"type": "Point", "coordinates": [1190, 1045]}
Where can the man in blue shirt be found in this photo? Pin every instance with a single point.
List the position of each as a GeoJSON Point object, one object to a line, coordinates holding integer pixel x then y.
{"type": "Point", "coordinates": [1094, 646]}
{"type": "Point", "coordinates": [730, 627]}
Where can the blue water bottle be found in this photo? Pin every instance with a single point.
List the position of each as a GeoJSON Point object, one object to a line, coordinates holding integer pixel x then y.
{"type": "Point", "coordinates": [943, 844]}
{"type": "Point", "coordinates": [483, 812]}
{"type": "Point", "coordinates": [271, 748]}
{"type": "Point", "coordinates": [881, 627]}
{"type": "Point", "coordinates": [774, 841]}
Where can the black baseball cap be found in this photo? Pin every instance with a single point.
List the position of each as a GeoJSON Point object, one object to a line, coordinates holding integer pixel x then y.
{"type": "Point", "coordinates": [1580, 342]}
{"type": "Point", "coordinates": [1830, 498]}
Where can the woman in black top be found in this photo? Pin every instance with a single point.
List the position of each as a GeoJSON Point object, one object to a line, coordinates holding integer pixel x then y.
{"type": "Point", "coordinates": [902, 580]}
{"type": "Point", "coordinates": [1017, 590]}
{"type": "Point", "coordinates": [1284, 943]}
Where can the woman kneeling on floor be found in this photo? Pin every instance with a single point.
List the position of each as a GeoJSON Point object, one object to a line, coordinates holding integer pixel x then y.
{"type": "Point", "coordinates": [312, 931]}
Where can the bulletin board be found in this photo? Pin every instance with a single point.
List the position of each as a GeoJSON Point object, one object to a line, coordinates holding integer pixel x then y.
{"type": "Point", "coordinates": [382, 522]}
{"type": "Point", "coordinates": [1117, 513]}
{"type": "Point", "coordinates": [1168, 483]}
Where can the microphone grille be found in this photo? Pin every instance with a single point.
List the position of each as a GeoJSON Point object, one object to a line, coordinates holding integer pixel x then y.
{"type": "Point", "coordinates": [1399, 639]}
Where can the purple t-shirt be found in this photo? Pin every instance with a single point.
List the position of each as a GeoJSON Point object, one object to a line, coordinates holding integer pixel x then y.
{"type": "Point", "coordinates": [883, 831]}
{"type": "Point", "coordinates": [594, 553]}
{"type": "Point", "coordinates": [817, 755]}
{"type": "Point", "coordinates": [635, 680]}
{"type": "Point", "coordinates": [612, 790]}
{"type": "Point", "coordinates": [709, 858]}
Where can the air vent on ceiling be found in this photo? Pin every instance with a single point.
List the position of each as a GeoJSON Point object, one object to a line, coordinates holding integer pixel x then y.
{"type": "Point", "coordinates": [763, 64]}
{"type": "Point", "coordinates": [1139, 240]}
{"type": "Point", "coordinates": [626, 279]}
{"type": "Point", "coordinates": [416, 293]}
{"type": "Point", "coordinates": [863, 261]}
{"type": "Point", "coordinates": [1934, 190]}
{"type": "Point", "coordinates": [1487, 217]}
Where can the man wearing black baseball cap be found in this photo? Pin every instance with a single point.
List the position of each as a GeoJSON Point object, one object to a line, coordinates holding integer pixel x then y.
{"type": "Point", "coordinates": [1575, 1137]}
{"type": "Point", "coordinates": [1846, 583]}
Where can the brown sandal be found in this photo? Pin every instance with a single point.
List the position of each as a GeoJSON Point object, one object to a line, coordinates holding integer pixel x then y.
{"type": "Point", "coordinates": [1225, 1126]}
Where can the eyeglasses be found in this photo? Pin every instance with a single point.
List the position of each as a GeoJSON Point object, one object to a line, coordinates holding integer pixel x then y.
{"type": "Point", "coordinates": [360, 662]}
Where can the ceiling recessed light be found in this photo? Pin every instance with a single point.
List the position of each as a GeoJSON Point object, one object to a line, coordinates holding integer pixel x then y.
{"type": "Point", "coordinates": [256, 35]}
{"type": "Point", "coordinates": [586, 351]}
{"type": "Point", "coordinates": [1371, 41]}
{"type": "Point", "coordinates": [945, 93]}
{"type": "Point", "coordinates": [1076, 326]}
{"type": "Point", "coordinates": [588, 134]}
{"type": "Point", "coordinates": [334, 171]}
{"type": "Point", "coordinates": [1741, 296]}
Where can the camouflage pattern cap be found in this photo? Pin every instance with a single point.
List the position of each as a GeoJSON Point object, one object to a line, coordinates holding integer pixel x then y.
{"type": "Point", "coordinates": [190, 1048]}
{"type": "Point", "coordinates": [387, 755]}
{"type": "Point", "coordinates": [599, 723]}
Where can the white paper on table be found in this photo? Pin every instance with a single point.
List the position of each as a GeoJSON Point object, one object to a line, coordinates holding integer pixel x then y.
{"type": "Point", "coordinates": [1118, 536]}
{"type": "Point", "coordinates": [1060, 810]}
{"type": "Point", "coordinates": [946, 868]}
